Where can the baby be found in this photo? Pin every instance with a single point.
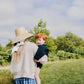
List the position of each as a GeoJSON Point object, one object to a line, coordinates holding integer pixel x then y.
{"type": "Point", "coordinates": [41, 39]}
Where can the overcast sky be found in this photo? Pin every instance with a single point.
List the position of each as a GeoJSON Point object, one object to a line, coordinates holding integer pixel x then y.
{"type": "Point", "coordinates": [61, 16]}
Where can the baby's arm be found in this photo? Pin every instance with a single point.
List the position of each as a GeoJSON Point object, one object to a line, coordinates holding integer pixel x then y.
{"type": "Point", "coordinates": [43, 59]}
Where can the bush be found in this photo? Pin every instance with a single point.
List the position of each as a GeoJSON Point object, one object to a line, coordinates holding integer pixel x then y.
{"type": "Point", "coordinates": [51, 45]}
{"type": "Point", "coordinates": [52, 56]}
{"type": "Point", "coordinates": [6, 77]}
{"type": "Point", "coordinates": [79, 50]}
{"type": "Point", "coordinates": [61, 54]}
{"type": "Point", "coordinates": [6, 55]}
{"type": "Point", "coordinates": [1, 60]}
{"type": "Point", "coordinates": [67, 55]}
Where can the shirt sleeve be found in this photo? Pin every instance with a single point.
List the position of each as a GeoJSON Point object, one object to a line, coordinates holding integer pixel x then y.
{"type": "Point", "coordinates": [43, 60]}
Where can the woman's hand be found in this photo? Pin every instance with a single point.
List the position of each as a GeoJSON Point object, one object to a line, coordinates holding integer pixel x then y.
{"type": "Point", "coordinates": [36, 60]}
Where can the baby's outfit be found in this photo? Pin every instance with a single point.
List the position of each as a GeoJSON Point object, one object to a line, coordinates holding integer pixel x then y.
{"type": "Point", "coordinates": [42, 50]}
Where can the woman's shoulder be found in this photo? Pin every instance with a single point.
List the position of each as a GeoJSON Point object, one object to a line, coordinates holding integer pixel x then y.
{"type": "Point", "coordinates": [31, 44]}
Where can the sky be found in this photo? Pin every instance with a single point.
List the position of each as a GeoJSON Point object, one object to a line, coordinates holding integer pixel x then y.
{"type": "Point", "coordinates": [61, 16]}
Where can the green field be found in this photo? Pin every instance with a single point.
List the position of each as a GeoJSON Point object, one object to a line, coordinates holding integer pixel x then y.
{"type": "Point", "coordinates": [59, 72]}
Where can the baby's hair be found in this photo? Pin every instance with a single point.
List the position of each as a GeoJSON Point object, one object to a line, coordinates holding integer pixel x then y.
{"type": "Point", "coordinates": [42, 35]}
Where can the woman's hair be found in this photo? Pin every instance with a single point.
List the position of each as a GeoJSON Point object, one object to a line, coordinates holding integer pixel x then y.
{"type": "Point", "coordinates": [17, 54]}
{"type": "Point", "coordinates": [42, 35]}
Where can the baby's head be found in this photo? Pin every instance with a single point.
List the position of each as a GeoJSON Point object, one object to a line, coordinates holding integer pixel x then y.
{"type": "Point", "coordinates": [41, 38]}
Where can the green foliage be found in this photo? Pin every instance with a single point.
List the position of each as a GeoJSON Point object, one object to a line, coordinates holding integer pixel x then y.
{"type": "Point", "coordinates": [5, 55]}
{"type": "Point", "coordinates": [77, 41]}
{"type": "Point", "coordinates": [67, 55]}
{"type": "Point", "coordinates": [61, 55]}
{"type": "Point", "coordinates": [1, 60]}
{"type": "Point", "coordinates": [51, 45]}
{"type": "Point", "coordinates": [68, 42]}
{"type": "Point", "coordinates": [40, 28]}
{"type": "Point", "coordinates": [52, 56]}
{"type": "Point", "coordinates": [64, 44]}
{"type": "Point", "coordinates": [9, 45]}
{"type": "Point", "coordinates": [6, 77]}
{"type": "Point", "coordinates": [1, 47]}
{"type": "Point", "coordinates": [79, 50]}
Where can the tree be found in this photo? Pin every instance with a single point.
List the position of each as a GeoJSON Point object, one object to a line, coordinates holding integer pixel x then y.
{"type": "Point", "coordinates": [51, 44]}
{"type": "Point", "coordinates": [77, 41]}
{"type": "Point", "coordinates": [79, 50]}
{"type": "Point", "coordinates": [68, 42]}
{"type": "Point", "coordinates": [64, 44]}
{"type": "Point", "coordinates": [9, 45]}
{"type": "Point", "coordinates": [40, 28]}
{"type": "Point", "coordinates": [1, 47]}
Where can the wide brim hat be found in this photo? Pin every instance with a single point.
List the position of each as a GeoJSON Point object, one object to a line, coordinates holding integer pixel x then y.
{"type": "Point", "coordinates": [21, 34]}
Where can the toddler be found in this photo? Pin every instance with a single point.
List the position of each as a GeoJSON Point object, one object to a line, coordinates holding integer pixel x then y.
{"type": "Point", "coordinates": [41, 39]}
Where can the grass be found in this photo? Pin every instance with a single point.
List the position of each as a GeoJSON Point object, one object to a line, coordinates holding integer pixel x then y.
{"type": "Point", "coordinates": [6, 77]}
{"type": "Point", "coordinates": [63, 72]}
{"type": "Point", "coordinates": [59, 72]}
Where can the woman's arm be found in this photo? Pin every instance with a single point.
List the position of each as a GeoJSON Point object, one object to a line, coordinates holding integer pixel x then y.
{"type": "Point", "coordinates": [36, 60]}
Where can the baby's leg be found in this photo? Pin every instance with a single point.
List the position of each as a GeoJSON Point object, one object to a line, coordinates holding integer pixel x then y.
{"type": "Point", "coordinates": [37, 76]}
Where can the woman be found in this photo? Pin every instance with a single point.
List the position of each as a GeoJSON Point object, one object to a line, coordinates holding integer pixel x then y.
{"type": "Point", "coordinates": [23, 65]}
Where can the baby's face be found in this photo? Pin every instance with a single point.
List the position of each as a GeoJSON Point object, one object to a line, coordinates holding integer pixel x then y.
{"type": "Point", "coordinates": [40, 41]}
